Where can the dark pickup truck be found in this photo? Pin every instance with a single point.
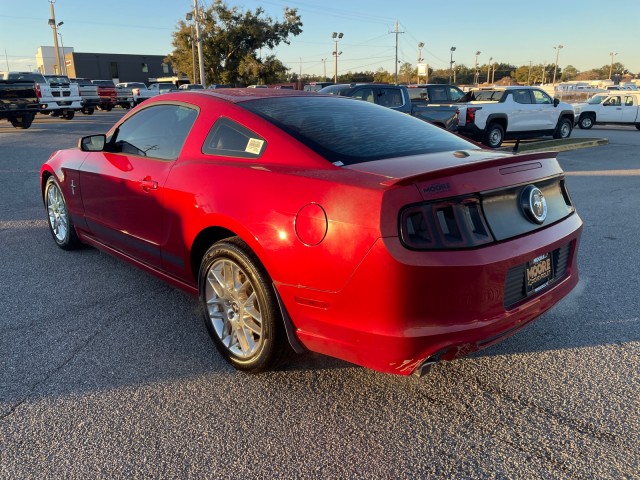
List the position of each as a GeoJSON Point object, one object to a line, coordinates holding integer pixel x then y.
{"type": "Point", "coordinates": [18, 102]}
{"type": "Point", "coordinates": [397, 98]}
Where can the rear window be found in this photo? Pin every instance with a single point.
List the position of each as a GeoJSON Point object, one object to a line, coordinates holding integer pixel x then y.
{"type": "Point", "coordinates": [103, 83]}
{"type": "Point", "coordinates": [347, 131]}
{"type": "Point", "coordinates": [27, 76]}
{"type": "Point", "coordinates": [488, 95]}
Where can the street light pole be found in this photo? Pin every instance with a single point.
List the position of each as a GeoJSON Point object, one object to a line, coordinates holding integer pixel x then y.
{"type": "Point", "coordinates": [420, 59]}
{"type": "Point", "coordinates": [336, 37]}
{"type": "Point", "coordinates": [478, 52]}
{"type": "Point", "coordinates": [189, 18]}
{"type": "Point", "coordinates": [196, 18]}
{"type": "Point", "coordinates": [64, 63]}
{"type": "Point", "coordinates": [324, 65]}
{"type": "Point", "coordinates": [489, 69]}
{"type": "Point", "coordinates": [52, 22]}
{"type": "Point", "coordinates": [555, 70]}
{"type": "Point", "coordinates": [453, 49]}
{"type": "Point", "coordinates": [611, 68]}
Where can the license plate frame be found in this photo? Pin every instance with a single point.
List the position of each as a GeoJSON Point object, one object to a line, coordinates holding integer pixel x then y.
{"type": "Point", "coordinates": [538, 273]}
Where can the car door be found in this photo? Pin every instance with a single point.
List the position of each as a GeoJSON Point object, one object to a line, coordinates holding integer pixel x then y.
{"type": "Point", "coordinates": [546, 113]}
{"type": "Point", "coordinates": [523, 110]}
{"type": "Point", "coordinates": [390, 98]}
{"type": "Point", "coordinates": [629, 109]}
{"type": "Point", "coordinates": [122, 187]}
{"type": "Point", "coordinates": [611, 110]}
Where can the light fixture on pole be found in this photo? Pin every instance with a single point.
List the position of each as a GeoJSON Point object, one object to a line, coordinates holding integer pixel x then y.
{"type": "Point", "coordinates": [336, 37]}
{"type": "Point", "coordinates": [611, 68]}
{"type": "Point", "coordinates": [555, 70]}
{"type": "Point", "coordinates": [489, 69]}
{"type": "Point", "coordinates": [477, 74]}
{"type": "Point", "coordinates": [453, 49]}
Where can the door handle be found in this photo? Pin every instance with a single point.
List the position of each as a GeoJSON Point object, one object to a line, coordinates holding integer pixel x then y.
{"type": "Point", "coordinates": [148, 184]}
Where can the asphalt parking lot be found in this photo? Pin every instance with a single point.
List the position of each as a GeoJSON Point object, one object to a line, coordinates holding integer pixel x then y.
{"type": "Point", "coordinates": [106, 372]}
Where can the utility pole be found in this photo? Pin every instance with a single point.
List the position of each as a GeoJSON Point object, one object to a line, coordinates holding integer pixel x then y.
{"type": "Point", "coordinates": [196, 17]}
{"type": "Point", "coordinates": [397, 32]}
{"type": "Point", "coordinates": [489, 69]}
{"type": "Point", "coordinates": [555, 70]}
{"type": "Point", "coordinates": [529, 77]}
{"type": "Point", "coordinates": [57, 69]}
{"type": "Point", "coordinates": [6, 57]}
{"type": "Point", "coordinates": [451, 66]}
{"type": "Point", "coordinates": [324, 64]}
{"type": "Point", "coordinates": [420, 59]}
{"type": "Point", "coordinates": [611, 68]}
{"type": "Point", "coordinates": [336, 37]}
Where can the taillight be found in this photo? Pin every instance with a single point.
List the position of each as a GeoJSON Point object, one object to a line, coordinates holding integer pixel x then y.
{"type": "Point", "coordinates": [445, 225]}
{"type": "Point", "coordinates": [38, 91]}
{"type": "Point", "coordinates": [135, 91]}
{"type": "Point", "coordinates": [471, 114]}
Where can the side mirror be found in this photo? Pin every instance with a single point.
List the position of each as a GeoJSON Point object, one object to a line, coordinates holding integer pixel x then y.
{"type": "Point", "coordinates": [556, 102]}
{"type": "Point", "coordinates": [92, 143]}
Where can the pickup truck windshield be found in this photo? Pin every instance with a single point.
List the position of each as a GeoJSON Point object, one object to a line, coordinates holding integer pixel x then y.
{"type": "Point", "coordinates": [351, 131]}
{"type": "Point", "coordinates": [596, 99]}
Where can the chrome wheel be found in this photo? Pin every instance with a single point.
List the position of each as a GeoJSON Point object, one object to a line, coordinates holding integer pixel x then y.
{"type": "Point", "coordinates": [58, 216]}
{"type": "Point", "coordinates": [565, 130]}
{"type": "Point", "coordinates": [233, 308]}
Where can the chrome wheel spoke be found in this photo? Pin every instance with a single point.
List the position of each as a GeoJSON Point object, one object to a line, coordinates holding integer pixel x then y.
{"type": "Point", "coordinates": [233, 308]}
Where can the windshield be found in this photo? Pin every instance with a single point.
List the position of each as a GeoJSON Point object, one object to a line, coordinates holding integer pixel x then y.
{"type": "Point", "coordinates": [346, 131]}
{"type": "Point", "coordinates": [56, 80]}
{"type": "Point", "coordinates": [596, 99]}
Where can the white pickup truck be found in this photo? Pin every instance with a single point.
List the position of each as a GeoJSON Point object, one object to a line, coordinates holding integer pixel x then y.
{"type": "Point", "coordinates": [495, 114]}
{"type": "Point", "coordinates": [617, 107]}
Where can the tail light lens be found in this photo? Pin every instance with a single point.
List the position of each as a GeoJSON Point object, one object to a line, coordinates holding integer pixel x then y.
{"type": "Point", "coordinates": [38, 91]}
{"type": "Point", "coordinates": [471, 114]}
{"type": "Point", "coordinates": [135, 91]}
{"type": "Point", "coordinates": [445, 225]}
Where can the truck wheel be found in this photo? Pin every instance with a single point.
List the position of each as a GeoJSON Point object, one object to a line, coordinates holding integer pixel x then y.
{"type": "Point", "coordinates": [89, 110]}
{"type": "Point", "coordinates": [563, 130]}
{"type": "Point", "coordinates": [108, 108]}
{"type": "Point", "coordinates": [68, 114]}
{"type": "Point", "coordinates": [493, 136]}
{"type": "Point", "coordinates": [638, 126]}
{"type": "Point", "coordinates": [23, 121]}
{"type": "Point", "coordinates": [54, 113]}
{"type": "Point", "coordinates": [586, 122]}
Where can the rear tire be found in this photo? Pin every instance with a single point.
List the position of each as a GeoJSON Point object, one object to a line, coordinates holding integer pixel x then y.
{"type": "Point", "coordinates": [493, 136]}
{"type": "Point", "coordinates": [241, 311]}
{"type": "Point", "coordinates": [24, 121]}
{"type": "Point", "coordinates": [68, 114]}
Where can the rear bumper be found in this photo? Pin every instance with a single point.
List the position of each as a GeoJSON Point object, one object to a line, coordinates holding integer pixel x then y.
{"type": "Point", "coordinates": [402, 307]}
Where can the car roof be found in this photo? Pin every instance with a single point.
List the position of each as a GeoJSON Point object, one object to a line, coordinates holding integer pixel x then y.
{"type": "Point", "coordinates": [237, 95]}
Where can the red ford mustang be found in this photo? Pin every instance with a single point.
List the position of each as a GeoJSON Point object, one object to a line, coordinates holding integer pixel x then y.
{"type": "Point", "coordinates": [310, 222]}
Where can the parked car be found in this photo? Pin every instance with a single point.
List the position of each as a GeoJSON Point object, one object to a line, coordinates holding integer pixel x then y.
{"type": "Point", "coordinates": [397, 98]}
{"type": "Point", "coordinates": [108, 94]}
{"type": "Point", "coordinates": [90, 99]}
{"type": "Point", "coordinates": [614, 107]}
{"type": "Point", "coordinates": [53, 99]}
{"type": "Point", "coordinates": [430, 93]}
{"type": "Point", "coordinates": [69, 94]}
{"type": "Point", "coordinates": [316, 86]}
{"type": "Point", "coordinates": [315, 222]}
{"type": "Point", "coordinates": [159, 88]}
{"type": "Point", "coordinates": [496, 114]}
{"type": "Point", "coordinates": [191, 86]}
{"type": "Point", "coordinates": [139, 91]}
{"type": "Point", "coordinates": [18, 102]}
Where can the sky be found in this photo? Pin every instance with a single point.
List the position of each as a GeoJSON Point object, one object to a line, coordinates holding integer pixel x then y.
{"type": "Point", "coordinates": [513, 32]}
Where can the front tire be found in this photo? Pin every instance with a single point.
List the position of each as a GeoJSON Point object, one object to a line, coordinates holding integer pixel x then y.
{"type": "Point", "coordinates": [240, 307]}
{"type": "Point", "coordinates": [493, 136]}
{"type": "Point", "coordinates": [563, 130]}
{"type": "Point", "coordinates": [60, 223]}
{"type": "Point", "coordinates": [68, 114]}
{"type": "Point", "coordinates": [586, 122]}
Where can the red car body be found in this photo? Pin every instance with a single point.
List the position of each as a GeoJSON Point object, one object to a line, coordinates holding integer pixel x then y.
{"type": "Point", "coordinates": [332, 236]}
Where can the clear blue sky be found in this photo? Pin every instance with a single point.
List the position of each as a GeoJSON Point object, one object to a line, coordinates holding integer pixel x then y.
{"type": "Point", "coordinates": [508, 31]}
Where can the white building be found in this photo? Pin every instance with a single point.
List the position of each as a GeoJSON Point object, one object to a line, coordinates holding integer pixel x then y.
{"type": "Point", "coordinates": [46, 59]}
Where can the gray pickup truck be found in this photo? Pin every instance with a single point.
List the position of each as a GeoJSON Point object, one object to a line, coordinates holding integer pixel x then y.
{"type": "Point", "coordinates": [18, 102]}
{"type": "Point", "coordinates": [397, 98]}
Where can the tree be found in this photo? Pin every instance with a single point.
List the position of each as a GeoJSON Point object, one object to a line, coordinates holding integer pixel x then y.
{"type": "Point", "coordinates": [231, 41]}
{"type": "Point", "coordinates": [569, 73]}
{"type": "Point", "coordinates": [406, 73]}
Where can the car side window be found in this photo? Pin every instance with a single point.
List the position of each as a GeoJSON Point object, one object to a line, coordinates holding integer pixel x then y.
{"type": "Point", "coordinates": [613, 101]}
{"type": "Point", "coordinates": [158, 132]}
{"type": "Point", "coordinates": [522, 96]}
{"type": "Point", "coordinates": [390, 97]}
{"type": "Point", "coordinates": [230, 139]}
{"type": "Point", "coordinates": [365, 94]}
{"type": "Point", "coordinates": [455, 94]}
{"type": "Point", "coordinates": [541, 98]}
{"type": "Point", "coordinates": [628, 101]}
{"type": "Point", "coordinates": [438, 94]}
